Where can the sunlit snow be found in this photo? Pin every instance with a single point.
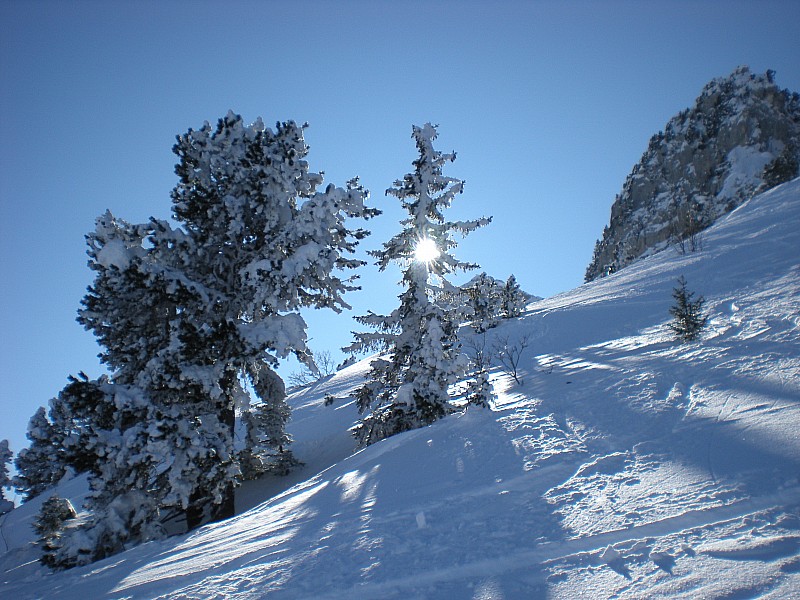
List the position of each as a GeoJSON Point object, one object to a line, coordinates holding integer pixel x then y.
{"type": "Point", "coordinates": [627, 465]}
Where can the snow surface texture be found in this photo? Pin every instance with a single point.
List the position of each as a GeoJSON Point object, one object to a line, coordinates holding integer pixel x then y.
{"type": "Point", "coordinates": [628, 465]}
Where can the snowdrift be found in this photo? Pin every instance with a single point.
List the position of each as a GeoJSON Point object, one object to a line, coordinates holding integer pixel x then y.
{"type": "Point", "coordinates": [626, 464]}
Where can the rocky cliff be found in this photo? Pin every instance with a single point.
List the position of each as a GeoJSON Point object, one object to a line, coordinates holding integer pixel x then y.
{"type": "Point", "coordinates": [741, 136]}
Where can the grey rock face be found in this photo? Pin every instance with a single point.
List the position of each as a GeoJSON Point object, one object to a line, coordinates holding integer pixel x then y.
{"type": "Point", "coordinates": [741, 137]}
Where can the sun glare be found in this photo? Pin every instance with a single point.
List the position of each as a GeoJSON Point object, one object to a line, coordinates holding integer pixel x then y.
{"type": "Point", "coordinates": [426, 251]}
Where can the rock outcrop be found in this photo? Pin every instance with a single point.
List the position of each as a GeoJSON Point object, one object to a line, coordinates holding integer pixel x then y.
{"type": "Point", "coordinates": [741, 136]}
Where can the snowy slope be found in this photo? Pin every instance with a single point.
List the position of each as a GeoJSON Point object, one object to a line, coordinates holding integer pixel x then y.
{"type": "Point", "coordinates": [626, 465]}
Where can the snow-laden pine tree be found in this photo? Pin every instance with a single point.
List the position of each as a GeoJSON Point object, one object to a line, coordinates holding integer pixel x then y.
{"type": "Point", "coordinates": [41, 465]}
{"type": "Point", "coordinates": [5, 481]}
{"type": "Point", "coordinates": [512, 299]}
{"type": "Point", "coordinates": [407, 386]}
{"type": "Point", "coordinates": [188, 314]}
{"type": "Point", "coordinates": [265, 425]}
{"type": "Point", "coordinates": [263, 241]}
{"type": "Point", "coordinates": [55, 512]}
{"type": "Point", "coordinates": [66, 443]}
{"type": "Point", "coordinates": [485, 299]}
{"type": "Point", "coordinates": [144, 310]}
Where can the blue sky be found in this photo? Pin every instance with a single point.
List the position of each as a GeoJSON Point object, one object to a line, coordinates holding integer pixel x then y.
{"type": "Point", "coordinates": [548, 105]}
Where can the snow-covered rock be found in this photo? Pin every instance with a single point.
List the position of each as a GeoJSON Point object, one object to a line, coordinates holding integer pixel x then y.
{"type": "Point", "coordinates": [742, 135]}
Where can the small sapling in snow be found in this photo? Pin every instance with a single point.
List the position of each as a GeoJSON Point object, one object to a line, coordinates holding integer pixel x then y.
{"type": "Point", "coordinates": [689, 319]}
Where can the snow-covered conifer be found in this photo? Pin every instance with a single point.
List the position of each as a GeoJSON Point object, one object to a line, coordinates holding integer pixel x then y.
{"type": "Point", "coordinates": [55, 510]}
{"type": "Point", "coordinates": [512, 299]}
{"type": "Point", "coordinates": [68, 440]}
{"type": "Point", "coordinates": [119, 430]}
{"type": "Point", "coordinates": [407, 386]}
{"type": "Point", "coordinates": [131, 303]}
{"type": "Point", "coordinates": [49, 526]}
{"type": "Point", "coordinates": [267, 444]}
{"type": "Point", "coordinates": [188, 313]}
{"type": "Point", "coordinates": [264, 242]}
{"type": "Point", "coordinates": [82, 409]}
{"type": "Point", "coordinates": [485, 299]}
{"type": "Point", "coordinates": [5, 481]}
{"type": "Point", "coordinates": [143, 310]}
{"type": "Point", "coordinates": [41, 465]}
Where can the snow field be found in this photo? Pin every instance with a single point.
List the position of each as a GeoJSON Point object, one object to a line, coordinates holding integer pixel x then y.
{"type": "Point", "coordinates": [626, 465]}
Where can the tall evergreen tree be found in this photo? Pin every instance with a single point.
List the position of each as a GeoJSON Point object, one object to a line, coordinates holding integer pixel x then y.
{"type": "Point", "coordinates": [271, 244]}
{"type": "Point", "coordinates": [188, 314]}
{"type": "Point", "coordinates": [5, 481]}
{"type": "Point", "coordinates": [407, 386]}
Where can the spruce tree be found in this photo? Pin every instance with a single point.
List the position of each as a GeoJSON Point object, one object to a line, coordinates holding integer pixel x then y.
{"type": "Point", "coordinates": [689, 319]}
{"type": "Point", "coordinates": [5, 460]}
{"type": "Point", "coordinates": [67, 442]}
{"type": "Point", "coordinates": [484, 296]}
{"type": "Point", "coordinates": [407, 386]}
{"type": "Point", "coordinates": [41, 465]}
{"type": "Point", "coordinates": [512, 299]}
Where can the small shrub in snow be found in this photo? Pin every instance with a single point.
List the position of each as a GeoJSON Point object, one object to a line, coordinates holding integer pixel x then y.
{"type": "Point", "coordinates": [54, 512]}
{"type": "Point", "coordinates": [267, 443]}
{"type": "Point", "coordinates": [510, 354]}
{"type": "Point", "coordinates": [479, 390]}
{"type": "Point", "coordinates": [321, 365]}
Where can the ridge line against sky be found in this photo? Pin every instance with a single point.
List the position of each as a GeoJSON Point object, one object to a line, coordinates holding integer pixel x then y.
{"type": "Point", "coordinates": [547, 104]}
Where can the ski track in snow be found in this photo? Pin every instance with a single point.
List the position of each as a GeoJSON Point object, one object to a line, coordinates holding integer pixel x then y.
{"type": "Point", "coordinates": [626, 466]}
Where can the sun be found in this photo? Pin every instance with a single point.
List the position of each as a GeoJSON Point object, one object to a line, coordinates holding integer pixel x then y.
{"type": "Point", "coordinates": [426, 251]}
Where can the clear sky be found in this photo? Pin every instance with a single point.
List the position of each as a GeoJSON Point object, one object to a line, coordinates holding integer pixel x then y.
{"type": "Point", "coordinates": [548, 105]}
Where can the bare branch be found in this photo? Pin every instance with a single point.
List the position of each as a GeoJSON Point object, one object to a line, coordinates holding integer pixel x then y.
{"type": "Point", "coordinates": [509, 354]}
